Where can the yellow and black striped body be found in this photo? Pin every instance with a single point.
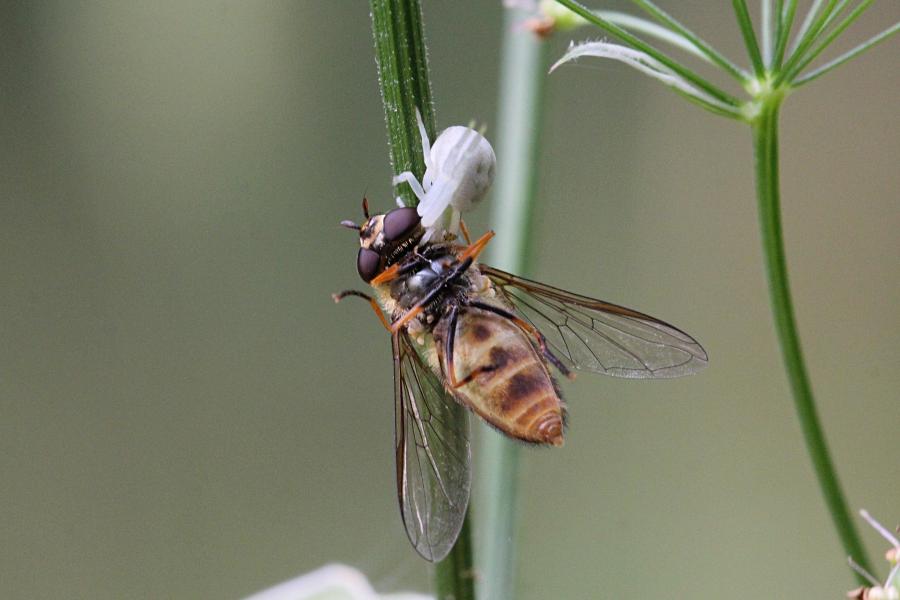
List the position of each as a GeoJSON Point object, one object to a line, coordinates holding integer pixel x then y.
{"type": "Point", "coordinates": [513, 390]}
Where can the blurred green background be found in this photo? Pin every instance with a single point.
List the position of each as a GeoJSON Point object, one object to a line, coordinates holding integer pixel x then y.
{"type": "Point", "coordinates": [185, 413]}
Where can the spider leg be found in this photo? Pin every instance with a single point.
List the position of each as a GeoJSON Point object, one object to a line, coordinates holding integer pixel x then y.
{"type": "Point", "coordinates": [426, 145]}
{"type": "Point", "coordinates": [453, 227]}
{"type": "Point", "coordinates": [408, 177]}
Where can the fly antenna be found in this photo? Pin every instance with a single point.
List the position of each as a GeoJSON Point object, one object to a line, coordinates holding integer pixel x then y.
{"type": "Point", "coordinates": [349, 224]}
{"type": "Point", "coordinates": [366, 207]}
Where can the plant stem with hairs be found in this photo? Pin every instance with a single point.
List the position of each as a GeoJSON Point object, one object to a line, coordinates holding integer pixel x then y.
{"type": "Point", "coordinates": [405, 86]}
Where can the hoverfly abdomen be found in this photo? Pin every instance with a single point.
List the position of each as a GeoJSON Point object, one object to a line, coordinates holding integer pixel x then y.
{"type": "Point", "coordinates": [506, 381]}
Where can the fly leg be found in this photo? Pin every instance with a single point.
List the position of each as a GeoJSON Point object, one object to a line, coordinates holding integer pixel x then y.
{"type": "Point", "coordinates": [465, 232]}
{"type": "Point", "coordinates": [407, 317]}
{"type": "Point", "coordinates": [475, 249]}
{"type": "Point", "coordinates": [338, 297]}
{"type": "Point", "coordinates": [449, 365]}
{"type": "Point", "coordinates": [454, 275]}
{"type": "Point", "coordinates": [530, 329]}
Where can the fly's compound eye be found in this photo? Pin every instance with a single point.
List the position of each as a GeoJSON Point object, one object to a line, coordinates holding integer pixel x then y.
{"type": "Point", "coordinates": [368, 263]}
{"type": "Point", "coordinates": [399, 223]}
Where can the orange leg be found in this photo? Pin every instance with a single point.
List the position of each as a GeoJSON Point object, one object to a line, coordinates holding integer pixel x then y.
{"type": "Point", "coordinates": [449, 365]}
{"type": "Point", "coordinates": [406, 318]}
{"type": "Point", "coordinates": [375, 307]}
{"type": "Point", "coordinates": [386, 275]}
{"type": "Point", "coordinates": [475, 249]}
{"type": "Point", "coordinates": [458, 383]}
{"type": "Point", "coordinates": [465, 231]}
{"type": "Point", "coordinates": [471, 252]}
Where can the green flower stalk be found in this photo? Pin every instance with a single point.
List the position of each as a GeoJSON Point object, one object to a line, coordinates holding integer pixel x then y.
{"type": "Point", "coordinates": [522, 76]}
{"type": "Point", "coordinates": [778, 66]}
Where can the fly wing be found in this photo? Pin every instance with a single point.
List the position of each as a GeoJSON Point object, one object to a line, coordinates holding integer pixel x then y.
{"type": "Point", "coordinates": [433, 455]}
{"type": "Point", "coordinates": [598, 336]}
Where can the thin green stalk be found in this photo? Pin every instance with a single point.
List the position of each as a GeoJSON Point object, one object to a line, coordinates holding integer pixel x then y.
{"type": "Point", "coordinates": [850, 54]}
{"type": "Point", "coordinates": [820, 27]}
{"type": "Point", "coordinates": [855, 14]}
{"type": "Point", "coordinates": [766, 35]}
{"type": "Point", "coordinates": [805, 40]}
{"type": "Point", "coordinates": [807, 23]}
{"type": "Point", "coordinates": [784, 33]}
{"type": "Point", "coordinates": [522, 76]}
{"type": "Point", "coordinates": [643, 46]}
{"type": "Point", "coordinates": [711, 53]}
{"type": "Point", "coordinates": [779, 25]}
{"type": "Point", "coordinates": [835, 13]}
{"type": "Point", "coordinates": [455, 576]}
{"type": "Point", "coordinates": [743, 17]}
{"type": "Point", "coordinates": [765, 145]}
{"type": "Point", "coordinates": [649, 28]}
{"type": "Point", "coordinates": [405, 86]}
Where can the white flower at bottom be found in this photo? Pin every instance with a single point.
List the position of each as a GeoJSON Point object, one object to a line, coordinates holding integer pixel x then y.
{"type": "Point", "coordinates": [332, 582]}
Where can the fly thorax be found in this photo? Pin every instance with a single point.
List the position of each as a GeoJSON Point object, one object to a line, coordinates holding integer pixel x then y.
{"type": "Point", "coordinates": [421, 281]}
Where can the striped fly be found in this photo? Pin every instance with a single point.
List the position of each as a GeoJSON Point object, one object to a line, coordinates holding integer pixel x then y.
{"type": "Point", "coordinates": [464, 333]}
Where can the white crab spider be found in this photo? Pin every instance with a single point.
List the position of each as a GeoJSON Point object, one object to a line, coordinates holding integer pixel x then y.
{"type": "Point", "coordinates": [459, 170]}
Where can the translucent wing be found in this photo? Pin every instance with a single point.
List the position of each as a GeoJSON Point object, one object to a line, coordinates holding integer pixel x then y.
{"type": "Point", "coordinates": [597, 336]}
{"type": "Point", "coordinates": [433, 456]}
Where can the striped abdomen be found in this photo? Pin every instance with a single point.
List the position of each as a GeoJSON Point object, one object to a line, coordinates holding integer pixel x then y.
{"type": "Point", "coordinates": [514, 391]}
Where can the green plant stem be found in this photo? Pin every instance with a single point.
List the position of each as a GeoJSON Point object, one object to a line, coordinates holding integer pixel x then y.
{"type": "Point", "coordinates": [522, 76]}
{"type": "Point", "coordinates": [641, 45]}
{"type": "Point", "coordinates": [405, 86]}
{"type": "Point", "coordinates": [811, 29]}
{"type": "Point", "coordinates": [849, 55]}
{"type": "Point", "coordinates": [784, 33]}
{"type": "Point", "coordinates": [765, 145]}
{"type": "Point", "coordinates": [455, 576]}
{"type": "Point", "coordinates": [649, 28]}
{"type": "Point", "coordinates": [743, 17]}
{"type": "Point", "coordinates": [711, 53]}
{"type": "Point", "coordinates": [827, 39]}
{"type": "Point", "coordinates": [767, 26]}
{"type": "Point", "coordinates": [806, 24]}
